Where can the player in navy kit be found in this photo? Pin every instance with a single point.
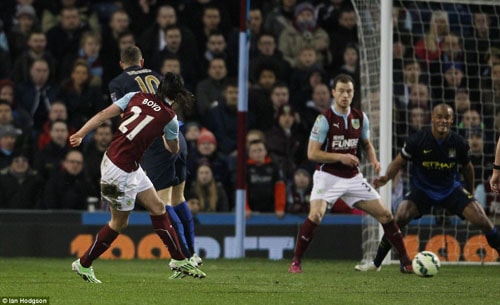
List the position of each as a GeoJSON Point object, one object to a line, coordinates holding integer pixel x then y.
{"type": "Point", "coordinates": [167, 171]}
{"type": "Point", "coordinates": [145, 117]}
{"type": "Point", "coordinates": [436, 155]}
{"type": "Point", "coordinates": [333, 143]}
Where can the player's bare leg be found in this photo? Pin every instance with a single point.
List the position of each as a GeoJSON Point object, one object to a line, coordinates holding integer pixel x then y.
{"type": "Point", "coordinates": [474, 213]}
{"type": "Point", "coordinates": [166, 232]}
{"type": "Point", "coordinates": [306, 233]}
{"type": "Point", "coordinates": [391, 229]}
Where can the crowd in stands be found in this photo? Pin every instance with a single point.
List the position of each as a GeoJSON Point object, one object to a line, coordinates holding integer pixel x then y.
{"type": "Point", "coordinates": [58, 57]}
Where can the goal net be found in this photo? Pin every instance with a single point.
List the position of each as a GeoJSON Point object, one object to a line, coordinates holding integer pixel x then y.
{"type": "Point", "coordinates": [447, 51]}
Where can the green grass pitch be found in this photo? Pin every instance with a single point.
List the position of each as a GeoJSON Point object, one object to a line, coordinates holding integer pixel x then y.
{"type": "Point", "coordinates": [245, 281]}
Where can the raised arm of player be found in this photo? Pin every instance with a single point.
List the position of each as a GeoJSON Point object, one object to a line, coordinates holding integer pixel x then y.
{"type": "Point", "coordinates": [110, 112]}
{"type": "Point", "coordinates": [391, 171]}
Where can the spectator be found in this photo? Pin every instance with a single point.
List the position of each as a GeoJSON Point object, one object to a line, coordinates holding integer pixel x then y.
{"type": "Point", "coordinates": [222, 120]}
{"type": "Point", "coordinates": [267, 54]}
{"type": "Point", "coordinates": [481, 160]}
{"type": "Point", "coordinates": [37, 43]}
{"type": "Point", "coordinates": [51, 15]}
{"type": "Point", "coordinates": [328, 13]}
{"type": "Point", "coordinates": [286, 142]}
{"type": "Point", "coordinates": [471, 118]}
{"type": "Point", "coordinates": [452, 49]}
{"type": "Point", "coordinates": [256, 28]}
{"type": "Point", "coordinates": [484, 36]}
{"type": "Point", "coordinates": [259, 96]}
{"type": "Point", "coordinates": [64, 38]}
{"type": "Point", "coordinates": [350, 66]}
{"type": "Point", "coordinates": [94, 151]}
{"type": "Point", "coordinates": [321, 101]}
{"type": "Point", "coordinates": [152, 39]}
{"type": "Point", "coordinates": [428, 48]}
{"type": "Point", "coordinates": [188, 58]}
{"type": "Point", "coordinates": [304, 32]}
{"type": "Point", "coordinates": [36, 95]}
{"type": "Point", "coordinates": [253, 135]}
{"type": "Point", "coordinates": [280, 17]}
{"type": "Point", "coordinates": [203, 16]}
{"type": "Point", "coordinates": [453, 80]}
{"type": "Point", "coordinates": [20, 186]}
{"type": "Point", "coordinates": [412, 75]}
{"type": "Point", "coordinates": [462, 103]}
{"type": "Point", "coordinates": [265, 184]}
{"type": "Point", "coordinates": [298, 192]}
{"type": "Point", "coordinates": [51, 156]}
{"type": "Point", "coordinates": [21, 118]}
{"type": "Point", "coordinates": [58, 112]}
{"type": "Point", "coordinates": [209, 91]}
{"type": "Point", "coordinates": [25, 23]}
{"type": "Point", "coordinates": [490, 92]}
{"type": "Point", "coordinates": [192, 131]}
{"type": "Point", "coordinates": [420, 96]}
{"type": "Point", "coordinates": [302, 84]}
{"type": "Point", "coordinates": [210, 21]}
{"type": "Point", "coordinates": [209, 193]}
{"type": "Point", "coordinates": [8, 138]}
{"type": "Point", "coordinates": [206, 152]}
{"type": "Point", "coordinates": [119, 24]}
{"type": "Point", "coordinates": [170, 64]}
{"type": "Point", "coordinates": [345, 33]}
{"type": "Point", "coordinates": [90, 46]}
{"type": "Point", "coordinates": [68, 188]}
{"type": "Point", "coordinates": [216, 46]}
{"type": "Point", "coordinates": [83, 99]}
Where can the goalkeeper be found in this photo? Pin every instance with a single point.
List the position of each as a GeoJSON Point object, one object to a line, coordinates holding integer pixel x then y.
{"type": "Point", "coordinates": [435, 155]}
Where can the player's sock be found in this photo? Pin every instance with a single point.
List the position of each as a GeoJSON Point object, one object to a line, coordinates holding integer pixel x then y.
{"type": "Point", "coordinates": [394, 236]}
{"type": "Point", "coordinates": [186, 217]}
{"type": "Point", "coordinates": [383, 248]}
{"type": "Point", "coordinates": [179, 229]}
{"type": "Point", "coordinates": [304, 238]}
{"type": "Point", "coordinates": [103, 239]}
{"type": "Point", "coordinates": [164, 229]}
{"type": "Point", "coordinates": [493, 239]}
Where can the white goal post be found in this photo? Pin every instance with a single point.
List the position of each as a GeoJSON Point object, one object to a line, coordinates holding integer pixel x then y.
{"type": "Point", "coordinates": [454, 240]}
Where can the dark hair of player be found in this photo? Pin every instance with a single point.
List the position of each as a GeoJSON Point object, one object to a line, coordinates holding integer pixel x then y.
{"type": "Point", "coordinates": [342, 78]}
{"type": "Point", "coordinates": [172, 88]}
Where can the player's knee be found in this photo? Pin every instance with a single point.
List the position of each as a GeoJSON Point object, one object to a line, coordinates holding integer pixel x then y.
{"type": "Point", "coordinates": [118, 224]}
{"type": "Point", "coordinates": [385, 217]}
{"type": "Point", "coordinates": [158, 208]}
{"type": "Point", "coordinates": [316, 216]}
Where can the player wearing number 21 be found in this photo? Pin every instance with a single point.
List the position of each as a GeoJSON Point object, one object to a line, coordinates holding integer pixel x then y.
{"type": "Point", "coordinates": [333, 143]}
{"type": "Point", "coordinates": [145, 117]}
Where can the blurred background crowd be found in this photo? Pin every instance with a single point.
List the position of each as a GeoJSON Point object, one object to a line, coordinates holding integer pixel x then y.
{"type": "Point", "coordinates": [57, 58]}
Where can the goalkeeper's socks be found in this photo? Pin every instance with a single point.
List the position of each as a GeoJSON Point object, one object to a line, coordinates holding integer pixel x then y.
{"type": "Point", "coordinates": [179, 229]}
{"type": "Point", "coordinates": [383, 248]}
{"type": "Point", "coordinates": [304, 238]}
{"type": "Point", "coordinates": [493, 239]}
{"type": "Point", "coordinates": [186, 218]}
{"type": "Point", "coordinates": [393, 234]}
{"type": "Point", "coordinates": [103, 240]}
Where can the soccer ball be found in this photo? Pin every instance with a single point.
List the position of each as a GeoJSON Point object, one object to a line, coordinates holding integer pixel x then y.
{"type": "Point", "coordinates": [426, 264]}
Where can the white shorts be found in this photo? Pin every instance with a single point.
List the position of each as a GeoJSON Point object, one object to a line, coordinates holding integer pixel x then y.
{"type": "Point", "coordinates": [120, 188]}
{"type": "Point", "coordinates": [352, 190]}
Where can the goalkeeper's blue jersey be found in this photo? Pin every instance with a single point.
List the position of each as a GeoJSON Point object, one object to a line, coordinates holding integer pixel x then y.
{"type": "Point", "coordinates": [435, 164]}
